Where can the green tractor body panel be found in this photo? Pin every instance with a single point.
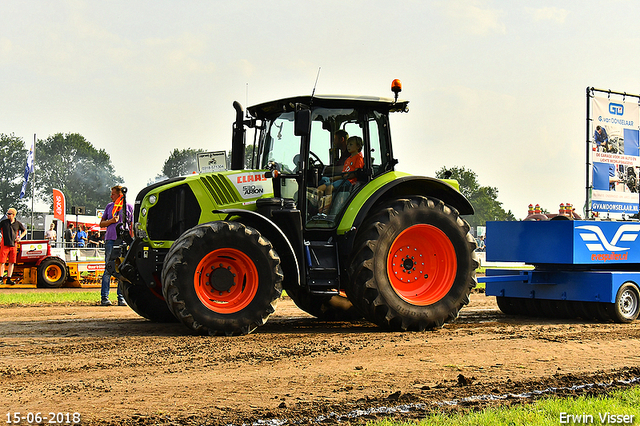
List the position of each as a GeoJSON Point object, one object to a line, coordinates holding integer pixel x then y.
{"type": "Point", "coordinates": [397, 184]}
{"type": "Point", "coordinates": [365, 194]}
{"type": "Point", "coordinates": [206, 193]}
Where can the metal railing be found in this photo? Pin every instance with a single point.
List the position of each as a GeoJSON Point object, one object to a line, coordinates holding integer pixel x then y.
{"type": "Point", "coordinates": [70, 252]}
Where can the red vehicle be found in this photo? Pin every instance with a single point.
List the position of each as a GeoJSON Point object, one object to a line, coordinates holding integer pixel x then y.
{"type": "Point", "coordinates": [37, 265]}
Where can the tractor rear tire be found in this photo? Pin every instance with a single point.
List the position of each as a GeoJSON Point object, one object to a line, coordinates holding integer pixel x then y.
{"type": "Point", "coordinates": [52, 273]}
{"type": "Point", "coordinates": [222, 278]}
{"type": "Point", "coordinates": [414, 265]}
{"type": "Point", "coordinates": [146, 302]}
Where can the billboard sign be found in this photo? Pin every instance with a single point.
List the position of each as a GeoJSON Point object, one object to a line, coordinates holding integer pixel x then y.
{"type": "Point", "coordinates": [614, 153]}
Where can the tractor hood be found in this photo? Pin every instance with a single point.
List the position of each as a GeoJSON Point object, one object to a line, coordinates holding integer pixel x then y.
{"type": "Point", "coordinates": [167, 209]}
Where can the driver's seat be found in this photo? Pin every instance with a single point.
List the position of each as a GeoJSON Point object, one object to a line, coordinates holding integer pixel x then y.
{"type": "Point", "coordinates": [339, 199]}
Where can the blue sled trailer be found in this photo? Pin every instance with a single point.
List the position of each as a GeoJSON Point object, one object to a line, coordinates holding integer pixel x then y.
{"type": "Point", "coordinates": [586, 269]}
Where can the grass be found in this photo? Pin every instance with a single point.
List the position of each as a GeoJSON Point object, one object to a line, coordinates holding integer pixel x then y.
{"type": "Point", "coordinates": [63, 297]}
{"type": "Point", "coordinates": [545, 412]}
{"type": "Point", "coordinates": [53, 297]}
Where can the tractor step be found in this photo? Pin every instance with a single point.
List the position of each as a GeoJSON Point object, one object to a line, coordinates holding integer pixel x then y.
{"type": "Point", "coordinates": [324, 292]}
{"type": "Point", "coordinates": [322, 267]}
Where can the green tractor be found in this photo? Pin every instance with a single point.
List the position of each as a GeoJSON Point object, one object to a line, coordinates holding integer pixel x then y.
{"type": "Point", "coordinates": [215, 250]}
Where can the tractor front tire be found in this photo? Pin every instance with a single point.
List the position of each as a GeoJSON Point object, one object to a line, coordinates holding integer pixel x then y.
{"type": "Point", "coordinates": [146, 302]}
{"type": "Point", "coordinates": [222, 278]}
{"type": "Point", "coordinates": [414, 265]}
{"type": "Point", "coordinates": [52, 273]}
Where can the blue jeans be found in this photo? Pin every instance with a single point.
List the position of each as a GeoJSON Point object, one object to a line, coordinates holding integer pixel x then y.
{"type": "Point", "coordinates": [106, 276]}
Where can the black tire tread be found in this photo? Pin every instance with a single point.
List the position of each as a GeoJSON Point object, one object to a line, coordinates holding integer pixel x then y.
{"type": "Point", "coordinates": [362, 289]}
{"type": "Point", "coordinates": [145, 303]}
{"type": "Point", "coordinates": [43, 281]}
{"type": "Point", "coordinates": [206, 235]}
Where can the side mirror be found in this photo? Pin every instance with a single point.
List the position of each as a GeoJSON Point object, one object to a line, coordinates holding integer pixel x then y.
{"type": "Point", "coordinates": [302, 124]}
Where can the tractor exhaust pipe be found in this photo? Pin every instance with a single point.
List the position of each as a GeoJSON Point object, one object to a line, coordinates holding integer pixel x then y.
{"type": "Point", "coordinates": [237, 141]}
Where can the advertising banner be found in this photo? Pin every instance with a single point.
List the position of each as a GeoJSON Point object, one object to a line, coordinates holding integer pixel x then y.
{"type": "Point", "coordinates": [615, 155]}
{"type": "Point", "coordinates": [58, 205]}
{"type": "Point", "coordinates": [33, 249]}
{"type": "Point", "coordinates": [569, 242]}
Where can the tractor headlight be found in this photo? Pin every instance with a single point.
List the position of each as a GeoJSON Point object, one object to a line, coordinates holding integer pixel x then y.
{"type": "Point", "coordinates": [144, 211]}
{"type": "Point", "coordinates": [153, 198]}
{"type": "Point", "coordinates": [140, 233]}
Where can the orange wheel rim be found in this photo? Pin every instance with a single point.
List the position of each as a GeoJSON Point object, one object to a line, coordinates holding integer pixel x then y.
{"type": "Point", "coordinates": [226, 280]}
{"type": "Point", "coordinates": [422, 264]}
{"type": "Point", "coordinates": [53, 272]}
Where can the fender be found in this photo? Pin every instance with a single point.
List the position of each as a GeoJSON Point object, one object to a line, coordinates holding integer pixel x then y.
{"type": "Point", "coordinates": [398, 184]}
{"type": "Point", "coordinates": [394, 185]}
{"type": "Point", "coordinates": [275, 235]}
{"type": "Point", "coordinates": [49, 257]}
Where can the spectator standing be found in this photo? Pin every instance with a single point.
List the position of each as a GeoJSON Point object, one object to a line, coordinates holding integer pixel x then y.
{"type": "Point", "coordinates": [81, 237]}
{"type": "Point", "coordinates": [94, 240]}
{"type": "Point", "coordinates": [12, 232]}
{"type": "Point", "coordinates": [112, 216]}
{"type": "Point", "coordinates": [51, 235]}
{"type": "Point", "coordinates": [69, 235]}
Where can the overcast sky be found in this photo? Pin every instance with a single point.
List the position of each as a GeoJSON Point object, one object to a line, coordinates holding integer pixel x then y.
{"type": "Point", "coordinates": [495, 86]}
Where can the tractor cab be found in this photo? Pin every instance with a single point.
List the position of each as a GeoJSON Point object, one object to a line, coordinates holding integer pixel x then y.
{"type": "Point", "coordinates": [303, 142]}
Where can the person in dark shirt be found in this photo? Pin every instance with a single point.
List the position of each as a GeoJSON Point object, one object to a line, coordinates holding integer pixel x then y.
{"type": "Point", "coordinates": [601, 138]}
{"type": "Point", "coordinates": [12, 232]}
{"type": "Point", "coordinates": [94, 240]}
{"type": "Point", "coordinates": [69, 235]}
{"type": "Point", "coordinates": [339, 152]}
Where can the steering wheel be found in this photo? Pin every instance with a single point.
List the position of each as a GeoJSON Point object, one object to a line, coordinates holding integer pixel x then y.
{"type": "Point", "coordinates": [316, 160]}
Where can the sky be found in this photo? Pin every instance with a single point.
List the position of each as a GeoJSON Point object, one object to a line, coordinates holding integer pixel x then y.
{"type": "Point", "coordinates": [497, 87]}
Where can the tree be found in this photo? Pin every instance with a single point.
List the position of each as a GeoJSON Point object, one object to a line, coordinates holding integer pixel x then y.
{"type": "Point", "coordinates": [14, 158]}
{"type": "Point", "coordinates": [248, 156]}
{"type": "Point", "coordinates": [181, 162]}
{"type": "Point", "coordinates": [71, 163]}
{"type": "Point", "coordinates": [484, 199]}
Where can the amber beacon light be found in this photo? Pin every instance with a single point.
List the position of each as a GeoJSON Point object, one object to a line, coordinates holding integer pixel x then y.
{"type": "Point", "coordinates": [396, 87]}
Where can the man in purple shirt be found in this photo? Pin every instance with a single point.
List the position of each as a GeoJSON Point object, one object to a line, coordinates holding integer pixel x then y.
{"type": "Point", "coordinates": [112, 216]}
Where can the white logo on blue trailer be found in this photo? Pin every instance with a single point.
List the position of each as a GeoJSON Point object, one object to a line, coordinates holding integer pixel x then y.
{"type": "Point", "coordinates": [595, 239]}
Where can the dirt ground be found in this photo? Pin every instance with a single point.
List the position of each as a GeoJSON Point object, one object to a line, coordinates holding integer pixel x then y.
{"type": "Point", "coordinates": [114, 367]}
